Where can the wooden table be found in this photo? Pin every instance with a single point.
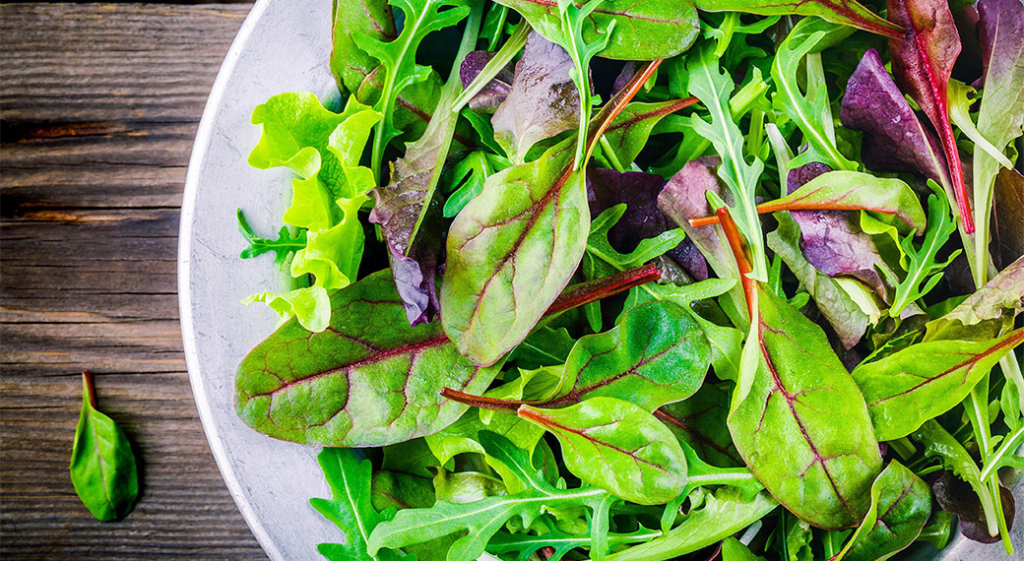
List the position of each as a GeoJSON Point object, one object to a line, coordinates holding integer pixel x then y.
{"type": "Point", "coordinates": [100, 104]}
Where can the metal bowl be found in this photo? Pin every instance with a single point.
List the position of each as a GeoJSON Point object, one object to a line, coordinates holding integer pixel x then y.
{"type": "Point", "coordinates": [283, 46]}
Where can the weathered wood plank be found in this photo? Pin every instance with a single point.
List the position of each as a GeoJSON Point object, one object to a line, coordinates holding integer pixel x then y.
{"type": "Point", "coordinates": [101, 104]}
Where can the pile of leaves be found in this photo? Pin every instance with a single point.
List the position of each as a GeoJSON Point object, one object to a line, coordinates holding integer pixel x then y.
{"type": "Point", "coordinates": [644, 280]}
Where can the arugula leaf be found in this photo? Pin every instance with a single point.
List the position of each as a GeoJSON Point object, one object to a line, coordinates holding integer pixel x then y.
{"type": "Point", "coordinates": [561, 542]}
{"type": "Point", "coordinates": [349, 507]}
{"type": "Point", "coordinates": [924, 272]}
{"type": "Point", "coordinates": [103, 468]}
{"type": "Point", "coordinates": [398, 59]}
{"type": "Point", "coordinates": [283, 247]}
{"type": "Point", "coordinates": [480, 520]}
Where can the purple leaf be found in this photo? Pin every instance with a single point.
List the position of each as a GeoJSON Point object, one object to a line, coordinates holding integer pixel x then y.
{"type": "Point", "coordinates": [957, 497]}
{"type": "Point", "coordinates": [922, 61]}
{"type": "Point", "coordinates": [542, 102]}
{"type": "Point", "coordinates": [894, 138]}
{"type": "Point", "coordinates": [642, 219]}
{"type": "Point", "coordinates": [1008, 226]}
{"type": "Point", "coordinates": [495, 92]}
{"type": "Point", "coordinates": [832, 241]}
{"type": "Point", "coordinates": [683, 199]}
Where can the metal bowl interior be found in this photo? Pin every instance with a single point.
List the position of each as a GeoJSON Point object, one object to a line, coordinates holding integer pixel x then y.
{"type": "Point", "coordinates": [282, 46]}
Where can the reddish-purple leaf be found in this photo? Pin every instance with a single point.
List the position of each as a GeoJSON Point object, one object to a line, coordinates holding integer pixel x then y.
{"type": "Point", "coordinates": [642, 219]}
{"type": "Point", "coordinates": [957, 497]}
{"type": "Point", "coordinates": [1008, 225]}
{"type": "Point", "coordinates": [894, 138]}
{"type": "Point", "coordinates": [922, 62]}
{"type": "Point", "coordinates": [495, 92]}
{"type": "Point", "coordinates": [683, 198]}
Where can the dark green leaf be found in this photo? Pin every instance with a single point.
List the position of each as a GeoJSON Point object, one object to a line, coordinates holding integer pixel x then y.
{"type": "Point", "coordinates": [369, 379]}
{"type": "Point", "coordinates": [617, 446]}
{"type": "Point", "coordinates": [349, 507]}
{"type": "Point", "coordinates": [103, 468]}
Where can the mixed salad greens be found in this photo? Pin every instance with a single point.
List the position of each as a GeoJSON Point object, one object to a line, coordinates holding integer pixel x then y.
{"type": "Point", "coordinates": [641, 280]}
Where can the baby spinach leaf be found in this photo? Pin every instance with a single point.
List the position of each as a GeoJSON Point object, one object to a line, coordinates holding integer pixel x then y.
{"type": "Point", "coordinates": [699, 421]}
{"type": "Point", "coordinates": [843, 313]}
{"type": "Point", "coordinates": [546, 346]}
{"type": "Point", "coordinates": [924, 272]}
{"type": "Point", "coordinates": [784, 425]}
{"type": "Point", "coordinates": [542, 102]}
{"type": "Point", "coordinates": [894, 138]}
{"type": "Point", "coordinates": [638, 360]}
{"type": "Point", "coordinates": [844, 12]}
{"type": "Point", "coordinates": [368, 379]}
{"type": "Point", "coordinates": [398, 60]}
{"type": "Point", "coordinates": [482, 519]}
{"type": "Point", "coordinates": [103, 468]}
{"type": "Point", "coordinates": [922, 381]}
{"type": "Point", "coordinates": [810, 111]}
{"type": "Point", "coordinates": [724, 512]}
{"type": "Point", "coordinates": [349, 63]}
{"type": "Point", "coordinates": [349, 508]}
{"type": "Point", "coordinates": [900, 505]}
{"type": "Point", "coordinates": [617, 446]}
{"type": "Point", "coordinates": [646, 30]}
{"type": "Point", "coordinates": [1001, 32]}
{"type": "Point", "coordinates": [515, 246]}
{"type": "Point", "coordinates": [407, 209]}
{"type": "Point", "coordinates": [922, 61]}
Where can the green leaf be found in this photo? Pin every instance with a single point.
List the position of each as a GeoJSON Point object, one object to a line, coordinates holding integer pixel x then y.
{"type": "Point", "coordinates": [734, 550]}
{"type": "Point", "coordinates": [811, 110]}
{"type": "Point", "coordinates": [714, 88]}
{"type": "Point", "coordinates": [723, 513]}
{"type": "Point", "coordinates": [561, 542]}
{"type": "Point", "coordinates": [699, 422]}
{"type": "Point", "coordinates": [349, 63]}
{"type": "Point", "coordinates": [283, 247]}
{"type": "Point", "coordinates": [369, 379]}
{"type": "Point", "coordinates": [468, 177]}
{"type": "Point", "coordinates": [466, 486]}
{"type": "Point", "coordinates": [546, 346]}
{"type": "Point", "coordinates": [310, 306]}
{"type": "Point", "coordinates": [900, 505]}
{"type": "Point", "coordinates": [480, 520]}
{"type": "Point", "coordinates": [923, 381]}
{"type": "Point", "coordinates": [924, 272]}
{"type": "Point", "coordinates": [617, 446]}
{"type": "Point", "coordinates": [799, 420]}
{"type": "Point", "coordinates": [961, 96]}
{"type": "Point", "coordinates": [398, 59]}
{"type": "Point", "coordinates": [511, 251]}
{"type": "Point", "coordinates": [392, 491]}
{"type": "Point", "coordinates": [986, 313]}
{"type": "Point", "coordinates": [600, 248]}
{"type": "Point", "coordinates": [644, 31]}
{"type": "Point", "coordinates": [845, 12]}
{"type": "Point", "coordinates": [349, 507]}
{"type": "Point", "coordinates": [630, 131]}
{"type": "Point", "coordinates": [638, 360]}
{"type": "Point", "coordinates": [103, 468]}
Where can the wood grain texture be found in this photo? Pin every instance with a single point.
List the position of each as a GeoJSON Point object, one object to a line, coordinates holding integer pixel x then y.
{"type": "Point", "coordinates": [100, 107]}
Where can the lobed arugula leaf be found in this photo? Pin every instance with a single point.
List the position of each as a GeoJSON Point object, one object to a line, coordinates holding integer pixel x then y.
{"type": "Point", "coordinates": [283, 247]}
{"type": "Point", "coordinates": [562, 543]}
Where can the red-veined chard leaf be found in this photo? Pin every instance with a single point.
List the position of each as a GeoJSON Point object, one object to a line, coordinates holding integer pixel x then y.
{"type": "Point", "coordinates": [479, 520]}
{"type": "Point", "coordinates": [617, 446]}
{"type": "Point", "coordinates": [369, 379]}
{"type": "Point", "coordinates": [516, 245]}
{"type": "Point", "coordinates": [631, 130]}
{"type": "Point", "coordinates": [643, 30]}
{"type": "Point", "coordinates": [1001, 115]}
{"type": "Point", "coordinates": [922, 381]}
{"type": "Point", "coordinates": [699, 421]}
{"type": "Point", "coordinates": [494, 92]}
{"type": "Point", "coordinates": [350, 64]}
{"type": "Point", "coordinates": [542, 102]}
{"type": "Point", "coordinates": [922, 61]}
{"type": "Point", "coordinates": [900, 505]}
{"type": "Point", "coordinates": [103, 469]}
{"type": "Point", "coordinates": [845, 12]}
{"type": "Point", "coordinates": [407, 210]}
{"type": "Point", "coordinates": [894, 138]}
{"type": "Point", "coordinates": [784, 423]}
